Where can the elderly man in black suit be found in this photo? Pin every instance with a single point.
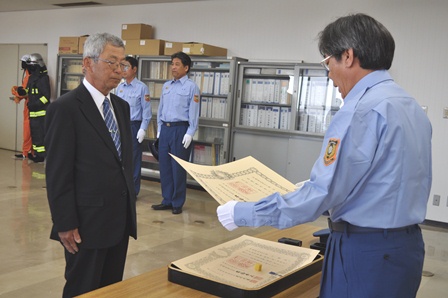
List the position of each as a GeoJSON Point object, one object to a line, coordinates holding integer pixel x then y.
{"type": "Point", "coordinates": [89, 171]}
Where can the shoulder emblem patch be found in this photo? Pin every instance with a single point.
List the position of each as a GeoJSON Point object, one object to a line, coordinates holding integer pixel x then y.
{"type": "Point", "coordinates": [331, 151]}
{"type": "Point", "coordinates": [147, 98]}
{"type": "Point", "coordinates": [196, 98]}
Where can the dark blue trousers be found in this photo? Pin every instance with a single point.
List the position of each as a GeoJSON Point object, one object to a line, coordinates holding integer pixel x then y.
{"type": "Point", "coordinates": [136, 155]}
{"type": "Point", "coordinates": [375, 264]}
{"type": "Point", "coordinates": [173, 177]}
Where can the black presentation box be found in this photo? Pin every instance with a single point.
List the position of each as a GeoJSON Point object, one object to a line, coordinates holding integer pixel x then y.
{"type": "Point", "coordinates": [176, 275]}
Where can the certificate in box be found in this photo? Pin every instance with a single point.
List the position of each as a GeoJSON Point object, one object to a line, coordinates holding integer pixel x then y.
{"type": "Point", "coordinates": [229, 269]}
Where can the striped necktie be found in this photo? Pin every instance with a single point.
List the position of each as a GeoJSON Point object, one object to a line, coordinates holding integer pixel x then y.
{"type": "Point", "coordinates": [112, 125]}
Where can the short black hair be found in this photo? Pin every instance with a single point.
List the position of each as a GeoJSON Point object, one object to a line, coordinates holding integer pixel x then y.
{"type": "Point", "coordinates": [132, 61]}
{"type": "Point", "coordinates": [184, 58]}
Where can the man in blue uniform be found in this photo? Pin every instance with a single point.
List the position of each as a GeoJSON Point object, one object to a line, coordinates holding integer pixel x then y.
{"type": "Point", "coordinates": [136, 93]}
{"type": "Point", "coordinates": [177, 122]}
{"type": "Point", "coordinates": [373, 175]}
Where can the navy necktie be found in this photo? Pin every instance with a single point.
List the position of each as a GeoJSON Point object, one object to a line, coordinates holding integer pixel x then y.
{"type": "Point", "coordinates": [112, 125]}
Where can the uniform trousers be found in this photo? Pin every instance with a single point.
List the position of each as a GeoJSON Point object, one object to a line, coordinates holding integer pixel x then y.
{"type": "Point", "coordinates": [27, 145]}
{"type": "Point", "coordinates": [377, 264]}
{"type": "Point", "coordinates": [37, 127]}
{"type": "Point", "coordinates": [136, 155]}
{"type": "Point", "coordinates": [173, 178]}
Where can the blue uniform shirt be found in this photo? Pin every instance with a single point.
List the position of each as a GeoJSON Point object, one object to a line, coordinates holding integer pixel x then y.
{"type": "Point", "coordinates": [374, 169]}
{"type": "Point", "coordinates": [137, 95]}
{"type": "Point", "coordinates": [179, 102]}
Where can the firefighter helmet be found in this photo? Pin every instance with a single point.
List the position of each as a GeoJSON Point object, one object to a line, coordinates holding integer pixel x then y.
{"type": "Point", "coordinates": [35, 59]}
{"type": "Point", "coordinates": [25, 58]}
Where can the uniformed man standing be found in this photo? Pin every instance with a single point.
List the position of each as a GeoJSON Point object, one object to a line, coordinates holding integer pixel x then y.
{"type": "Point", "coordinates": [373, 175]}
{"type": "Point", "coordinates": [136, 93]}
{"type": "Point", "coordinates": [177, 122]}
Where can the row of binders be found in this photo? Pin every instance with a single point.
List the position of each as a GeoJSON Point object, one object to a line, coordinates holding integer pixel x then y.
{"type": "Point", "coordinates": [265, 116]}
{"type": "Point", "coordinates": [160, 70]}
{"type": "Point", "coordinates": [213, 83]}
{"type": "Point", "coordinates": [267, 91]}
{"type": "Point", "coordinates": [319, 101]}
{"type": "Point", "coordinates": [213, 107]}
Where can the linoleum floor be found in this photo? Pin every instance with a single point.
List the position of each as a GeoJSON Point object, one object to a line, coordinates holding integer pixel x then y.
{"type": "Point", "coordinates": [32, 265]}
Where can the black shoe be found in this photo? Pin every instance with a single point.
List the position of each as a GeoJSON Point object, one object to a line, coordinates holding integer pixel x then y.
{"type": "Point", "coordinates": [31, 157]}
{"type": "Point", "coordinates": [37, 159]}
{"type": "Point", "coordinates": [20, 156]}
{"type": "Point", "coordinates": [177, 210]}
{"type": "Point", "coordinates": [161, 207]}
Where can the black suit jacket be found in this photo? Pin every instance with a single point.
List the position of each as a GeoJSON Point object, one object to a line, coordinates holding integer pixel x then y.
{"type": "Point", "coordinates": [88, 187]}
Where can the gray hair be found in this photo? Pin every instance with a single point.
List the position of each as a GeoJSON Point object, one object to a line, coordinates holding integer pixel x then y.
{"type": "Point", "coordinates": [371, 42]}
{"type": "Point", "coordinates": [95, 44]}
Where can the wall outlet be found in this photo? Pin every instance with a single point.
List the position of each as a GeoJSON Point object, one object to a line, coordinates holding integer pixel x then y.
{"type": "Point", "coordinates": [445, 113]}
{"type": "Point", "coordinates": [436, 200]}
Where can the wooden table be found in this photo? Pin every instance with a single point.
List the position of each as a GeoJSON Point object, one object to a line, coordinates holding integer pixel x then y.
{"type": "Point", "coordinates": [155, 283]}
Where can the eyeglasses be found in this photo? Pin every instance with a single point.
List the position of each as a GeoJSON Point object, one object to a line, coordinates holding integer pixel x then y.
{"type": "Point", "coordinates": [114, 65]}
{"type": "Point", "coordinates": [324, 62]}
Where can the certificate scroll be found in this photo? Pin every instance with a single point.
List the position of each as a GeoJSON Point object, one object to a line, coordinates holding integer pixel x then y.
{"type": "Point", "coordinates": [233, 263]}
{"type": "Point", "coordinates": [243, 180]}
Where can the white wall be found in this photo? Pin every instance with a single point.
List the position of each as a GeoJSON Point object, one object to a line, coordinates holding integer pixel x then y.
{"type": "Point", "coordinates": [275, 30]}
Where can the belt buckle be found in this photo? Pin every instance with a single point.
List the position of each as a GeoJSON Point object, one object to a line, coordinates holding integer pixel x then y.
{"type": "Point", "coordinates": [168, 124]}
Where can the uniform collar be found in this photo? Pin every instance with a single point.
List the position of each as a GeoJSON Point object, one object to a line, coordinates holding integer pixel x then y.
{"type": "Point", "coordinates": [131, 83]}
{"type": "Point", "coordinates": [367, 82]}
{"type": "Point", "coordinates": [182, 80]}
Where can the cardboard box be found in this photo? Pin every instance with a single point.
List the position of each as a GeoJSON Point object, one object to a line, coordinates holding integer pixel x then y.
{"type": "Point", "coordinates": [82, 40]}
{"type": "Point", "coordinates": [136, 31]}
{"type": "Point", "coordinates": [68, 45]}
{"type": "Point", "coordinates": [172, 47]}
{"type": "Point", "coordinates": [202, 49]}
{"type": "Point", "coordinates": [148, 47]}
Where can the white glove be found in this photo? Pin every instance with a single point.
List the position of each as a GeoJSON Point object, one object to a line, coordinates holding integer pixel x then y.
{"type": "Point", "coordinates": [158, 134]}
{"type": "Point", "coordinates": [187, 140]}
{"type": "Point", "coordinates": [225, 215]}
{"type": "Point", "coordinates": [140, 135]}
{"type": "Point", "coordinates": [301, 183]}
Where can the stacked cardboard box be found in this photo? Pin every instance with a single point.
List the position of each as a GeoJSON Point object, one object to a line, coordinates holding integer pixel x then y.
{"type": "Point", "coordinates": [136, 31]}
{"type": "Point", "coordinates": [172, 47]}
{"type": "Point", "coordinates": [72, 44]}
{"type": "Point", "coordinates": [68, 44]}
{"type": "Point", "coordinates": [202, 49]}
{"type": "Point", "coordinates": [82, 40]}
{"type": "Point", "coordinates": [149, 47]}
{"type": "Point", "coordinates": [138, 40]}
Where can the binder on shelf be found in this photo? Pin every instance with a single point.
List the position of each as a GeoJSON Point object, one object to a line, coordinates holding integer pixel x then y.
{"type": "Point", "coordinates": [285, 117]}
{"type": "Point", "coordinates": [261, 116]}
{"type": "Point", "coordinates": [268, 122]}
{"type": "Point", "coordinates": [318, 91]}
{"type": "Point", "coordinates": [275, 117]}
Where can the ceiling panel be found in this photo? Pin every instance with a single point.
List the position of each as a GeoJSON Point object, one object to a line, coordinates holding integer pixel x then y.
{"type": "Point", "coordinates": [29, 5]}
